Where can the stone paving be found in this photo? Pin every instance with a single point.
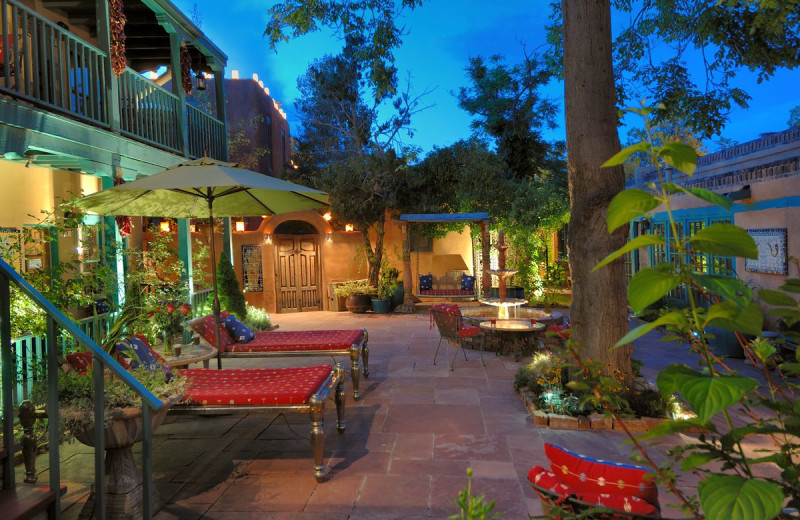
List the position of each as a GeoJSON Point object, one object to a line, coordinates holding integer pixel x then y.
{"type": "Point", "coordinates": [404, 455]}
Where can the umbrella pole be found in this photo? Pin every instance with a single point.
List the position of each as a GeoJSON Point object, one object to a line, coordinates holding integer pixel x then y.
{"type": "Point", "coordinates": [215, 304]}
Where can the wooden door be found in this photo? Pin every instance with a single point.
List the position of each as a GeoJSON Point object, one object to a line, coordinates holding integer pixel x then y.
{"type": "Point", "coordinates": [298, 273]}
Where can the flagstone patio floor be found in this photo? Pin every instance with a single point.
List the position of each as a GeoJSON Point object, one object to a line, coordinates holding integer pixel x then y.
{"type": "Point", "coordinates": [404, 455]}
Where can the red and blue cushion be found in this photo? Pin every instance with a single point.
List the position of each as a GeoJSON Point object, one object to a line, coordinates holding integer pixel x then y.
{"type": "Point", "coordinates": [138, 353]}
{"type": "Point", "coordinates": [467, 282]}
{"type": "Point", "coordinates": [254, 386]}
{"type": "Point", "coordinates": [465, 330]}
{"type": "Point", "coordinates": [236, 328]}
{"type": "Point", "coordinates": [305, 340]}
{"type": "Point", "coordinates": [425, 282]}
{"type": "Point", "coordinates": [594, 476]}
{"type": "Point", "coordinates": [205, 327]}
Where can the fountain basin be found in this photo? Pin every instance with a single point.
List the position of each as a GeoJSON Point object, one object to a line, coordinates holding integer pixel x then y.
{"type": "Point", "coordinates": [475, 315]}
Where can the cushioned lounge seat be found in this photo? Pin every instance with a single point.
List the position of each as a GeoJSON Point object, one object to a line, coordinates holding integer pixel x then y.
{"type": "Point", "coordinates": [344, 342]}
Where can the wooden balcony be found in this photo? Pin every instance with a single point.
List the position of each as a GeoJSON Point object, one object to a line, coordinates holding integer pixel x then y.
{"type": "Point", "coordinates": [46, 66]}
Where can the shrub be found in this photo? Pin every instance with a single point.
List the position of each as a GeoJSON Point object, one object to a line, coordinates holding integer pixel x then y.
{"type": "Point", "coordinates": [231, 297]}
{"type": "Point", "coordinates": [257, 319]}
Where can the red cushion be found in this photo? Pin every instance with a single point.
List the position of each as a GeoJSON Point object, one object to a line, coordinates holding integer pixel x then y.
{"type": "Point", "coordinates": [299, 340]}
{"type": "Point", "coordinates": [446, 292]}
{"type": "Point", "coordinates": [254, 386]}
{"type": "Point", "coordinates": [82, 361]}
{"type": "Point", "coordinates": [205, 327]}
{"type": "Point", "coordinates": [548, 480]}
{"type": "Point", "coordinates": [591, 476]}
{"type": "Point", "coordinates": [468, 330]}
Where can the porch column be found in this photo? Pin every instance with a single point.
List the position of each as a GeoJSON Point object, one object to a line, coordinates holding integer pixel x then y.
{"type": "Point", "coordinates": [185, 252]}
{"type": "Point", "coordinates": [175, 40]}
{"type": "Point", "coordinates": [408, 282]}
{"type": "Point", "coordinates": [486, 260]}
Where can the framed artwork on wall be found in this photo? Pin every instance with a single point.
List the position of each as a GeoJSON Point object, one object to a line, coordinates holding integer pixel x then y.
{"type": "Point", "coordinates": [772, 255]}
{"type": "Point", "coordinates": [252, 272]}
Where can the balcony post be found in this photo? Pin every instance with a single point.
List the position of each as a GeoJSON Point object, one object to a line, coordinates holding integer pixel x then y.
{"type": "Point", "coordinates": [175, 66]}
{"type": "Point", "coordinates": [219, 89]}
{"type": "Point", "coordinates": [110, 93]}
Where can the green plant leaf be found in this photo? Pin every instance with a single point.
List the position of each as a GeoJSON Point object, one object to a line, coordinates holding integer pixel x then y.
{"type": "Point", "coordinates": [726, 287]}
{"type": "Point", "coordinates": [648, 285]}
{"type": "Point", "coordinates": [730, 316]}
{"type": "Point", "coordinates": [672, 318]}
{"type": "Point", "coordinates": [708, 196]}
{"type": "Point", "coordinates": [731, 497]}
{"type": "Point", "coordinates": [627, 205]}
{"type": "Point", "coordinates": [707, 395]}
{"type": "Point", "coordinates": [669, 427]}
{"type": "Point", "coordinates": [785, 312]}
{"type": "Point", "coordinates": [621, 156]}
{"type": "Point", "coordinates": [776, 298]}
{"type": "Point", "coordinates": [791, 285]}
{"type": "Point", "coordinates": [680, 156]}
{"type": "Point", "coordinates": [636, 243]}
{"type": "Point", "coordinates": [724, 239]}
{"type": "Point", "coordinates": [694, 460]}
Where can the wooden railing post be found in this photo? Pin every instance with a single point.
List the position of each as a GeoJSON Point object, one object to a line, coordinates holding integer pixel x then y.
{"type": "Point", "coordinates": [110, 93]}
{"type": "Point", "coordinates": [177, 89]}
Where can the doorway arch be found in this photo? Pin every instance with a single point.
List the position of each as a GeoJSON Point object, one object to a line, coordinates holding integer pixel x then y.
{"type": "Point", "coordinates": [297, 267]}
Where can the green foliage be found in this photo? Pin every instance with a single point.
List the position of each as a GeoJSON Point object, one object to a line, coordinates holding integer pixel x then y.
{"type": "Point", "coordinates": [231, 297]}
{"type": "Point", "coordinates": [544, 370]}
{"type": "Point", "coordinates": [648, 403]}
{"type": "Point", "coordinates": [257, 319]}
{"type": "Point", "coordinates": [730, 485]}
{"type": "Point", "coordinates": [472, 507]}
{"type": "Point", "coordinates": [794, 116]}
{"type": "Point", "coordinates": [388, 282]}
{"type": "Point", "coordinates": [355, 287]}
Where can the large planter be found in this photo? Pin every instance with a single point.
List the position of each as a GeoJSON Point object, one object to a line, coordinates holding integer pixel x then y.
{"type": "Point", "coordinates": [123, 480]}
{"type": "Point", "coordinates": [398, 296]}
{"type": "Point", "coordinates": [358, 303]}
{"type": "Point", "coordinates": [380, 306]}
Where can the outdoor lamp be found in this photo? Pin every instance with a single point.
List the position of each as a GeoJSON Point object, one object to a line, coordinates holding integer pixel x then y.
{"type": "Point", "coordinates": [327, 216]}
{"type": "Point", "coordinates": [329, 237]}
{"type": "Point", "coordinates": [192, 227]}
{"type": "Point", "coordinates": [240, 226]}
{"type": "Point", "coordinates": [164, 226]}
{"type": "Point", "coordinates": [348, 227]}
{"type": "Point", "coordinates": [201, 80]}
{"type": "Point", "coordinates": [267, 238]}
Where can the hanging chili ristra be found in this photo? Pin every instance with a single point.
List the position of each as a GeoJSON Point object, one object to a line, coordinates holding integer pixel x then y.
{"type": "Point", "coordinates": [186, 69]}
{"type": "Point", "coordinates": [117, 25]}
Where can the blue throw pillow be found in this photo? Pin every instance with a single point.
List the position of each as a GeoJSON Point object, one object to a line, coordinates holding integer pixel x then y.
{"type": "Point", "coordinates": [425, 282]}
{"type": "Point", "coordinates": [138, 352]}
{"type": "Point", "coordinates": [467, 282]}
{"type": "Point", "coordinates": [238, 330]}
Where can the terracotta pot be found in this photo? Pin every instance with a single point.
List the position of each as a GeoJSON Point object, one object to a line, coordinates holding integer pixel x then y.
{"type": "Point", "coordinates": [358, 303]}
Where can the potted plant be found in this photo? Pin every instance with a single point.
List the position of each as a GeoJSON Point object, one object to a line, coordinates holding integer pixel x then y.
{"type": "Point", "coordinates": [387, 285]}
{"type": "Point", "coordinates": [359, 295]}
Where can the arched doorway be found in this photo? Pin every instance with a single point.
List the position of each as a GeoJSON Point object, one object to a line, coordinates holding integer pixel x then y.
{"type": "Point", "coordinates": [297, 266]}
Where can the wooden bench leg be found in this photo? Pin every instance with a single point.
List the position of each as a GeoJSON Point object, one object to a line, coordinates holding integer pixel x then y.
{"type": "Point", "coordinates": [355, 371]}
{"type": "Point", "coordinates": [340, 398]}
{"type": "Point", "coordinates": [318, 437]}
{"type": "Point", "coordinates": [365, 355]}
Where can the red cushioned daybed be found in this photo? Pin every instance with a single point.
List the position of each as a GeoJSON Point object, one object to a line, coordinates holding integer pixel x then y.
{"type": "Point", "coordinates": [269, 390]}
{"type": "Point", "coordinates": [345, 342]}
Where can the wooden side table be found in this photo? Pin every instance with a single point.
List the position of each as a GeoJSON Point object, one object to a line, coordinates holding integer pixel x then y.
{"type": "Point", "coordinates": [189, 354]}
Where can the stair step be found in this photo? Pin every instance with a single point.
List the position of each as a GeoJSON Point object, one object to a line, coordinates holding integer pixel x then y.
{"type": "Point", "coordinates": [25, 501]}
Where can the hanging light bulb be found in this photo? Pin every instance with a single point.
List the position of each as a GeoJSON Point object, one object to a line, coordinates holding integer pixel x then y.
{"type": "Point", "coordinates": [164, 226]}
{"type": "Point", "coordinates": [240, 226]}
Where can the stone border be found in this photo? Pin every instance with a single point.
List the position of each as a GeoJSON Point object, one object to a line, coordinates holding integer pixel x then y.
{"type": "Point", "coordinates": [594, 421]}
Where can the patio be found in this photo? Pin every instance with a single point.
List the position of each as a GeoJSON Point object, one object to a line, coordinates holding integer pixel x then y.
{"type": "Point", "coordinates": [408, 443]}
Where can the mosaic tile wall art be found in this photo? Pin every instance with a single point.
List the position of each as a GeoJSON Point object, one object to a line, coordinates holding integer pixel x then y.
{"type": "Point", "coordinates": [772, 256]}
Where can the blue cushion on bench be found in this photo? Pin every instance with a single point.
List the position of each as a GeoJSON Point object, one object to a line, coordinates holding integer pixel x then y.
{"type": "Point", "coordinates": [467, 282]}
{"type": "Point", "coordinates": [238, 330]}
{"type": "Point", "coordinates": [425, 282]}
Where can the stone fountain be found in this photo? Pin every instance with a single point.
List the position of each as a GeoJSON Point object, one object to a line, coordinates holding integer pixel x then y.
{"type": "Point", "coordinates": [502, 303]}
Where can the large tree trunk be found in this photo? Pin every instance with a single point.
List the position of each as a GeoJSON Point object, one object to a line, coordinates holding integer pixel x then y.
{"type": "Point", "coordinates": [375, 255]}
{"type": "Point", "coordinates": [599, 304]}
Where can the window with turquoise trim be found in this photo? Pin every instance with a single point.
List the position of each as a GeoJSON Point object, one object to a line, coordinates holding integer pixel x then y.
{"type": "Point", "coordinates": [702, 262]}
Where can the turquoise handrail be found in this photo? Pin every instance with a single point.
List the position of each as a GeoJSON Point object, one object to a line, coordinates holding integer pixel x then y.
{"type": "Point", "coordinates": [103, 360]}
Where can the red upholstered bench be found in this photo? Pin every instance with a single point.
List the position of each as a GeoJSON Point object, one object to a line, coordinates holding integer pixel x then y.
{"type": "Point", "coordinates": [329, 343]}
{"type": "Point", "coordinates": [269, 390]}
{"type": "Point", "coordinates": [577, 483]}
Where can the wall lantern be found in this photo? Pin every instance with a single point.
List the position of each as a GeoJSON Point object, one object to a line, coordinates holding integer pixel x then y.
{"type": "Point", "coordinates": [267, 238]}
{"type": "Point", "coordinates": [329, 237]}
{"type": "Point", "coordinates": [201, 80]}
{"type": "Point", "coordinates": [348, 227]}
{"type": "Point", "coordinates": [192, 227]}
{"type": "Point", "coordinates": [164, 226]}
{"type": "Point", "coordinates": [327, 216]}
{"type": "Point", "coordinates": [239, 226]}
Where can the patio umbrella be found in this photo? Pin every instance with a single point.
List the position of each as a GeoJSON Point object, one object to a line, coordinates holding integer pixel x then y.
{"type": "Point", "coordinates": [204, 188]}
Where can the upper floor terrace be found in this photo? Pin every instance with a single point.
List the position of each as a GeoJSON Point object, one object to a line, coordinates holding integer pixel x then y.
{"type": "Point", "coordinates": [61, 105]}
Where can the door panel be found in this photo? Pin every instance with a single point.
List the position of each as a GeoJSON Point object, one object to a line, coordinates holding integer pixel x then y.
{"type": "Point", "coordinates": [298, 273]}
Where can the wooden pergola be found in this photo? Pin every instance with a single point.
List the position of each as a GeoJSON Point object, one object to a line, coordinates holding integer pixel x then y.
{"type": "Point", "coordinates": [483, 219]}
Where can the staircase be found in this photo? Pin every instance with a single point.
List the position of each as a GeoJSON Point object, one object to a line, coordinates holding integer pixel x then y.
{"type": "Point", "coordinates": [25, 501]}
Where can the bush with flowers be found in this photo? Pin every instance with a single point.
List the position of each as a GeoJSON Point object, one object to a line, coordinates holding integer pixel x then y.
{"type": "Point", "coordinates": [168, 319]}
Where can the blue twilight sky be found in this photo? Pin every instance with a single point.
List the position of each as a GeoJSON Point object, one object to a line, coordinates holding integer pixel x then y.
{"type": "Point", "coordinates": [442, 36]}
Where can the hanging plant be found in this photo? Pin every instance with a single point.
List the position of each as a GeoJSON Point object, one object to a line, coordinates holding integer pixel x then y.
{"type": "Point", "coordinates": [124, 223]}
{"type": "Point", "coordinates": [117, 22]}
{"type": "Point", "coordinates": [186, 69]}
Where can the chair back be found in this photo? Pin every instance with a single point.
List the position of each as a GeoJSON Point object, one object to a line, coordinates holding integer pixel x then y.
{"type": "Point", "coordinates": [447, 318]}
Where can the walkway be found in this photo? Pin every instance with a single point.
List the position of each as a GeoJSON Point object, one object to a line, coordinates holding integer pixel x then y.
{"type": "Point", "coordinates": [404, 455]}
